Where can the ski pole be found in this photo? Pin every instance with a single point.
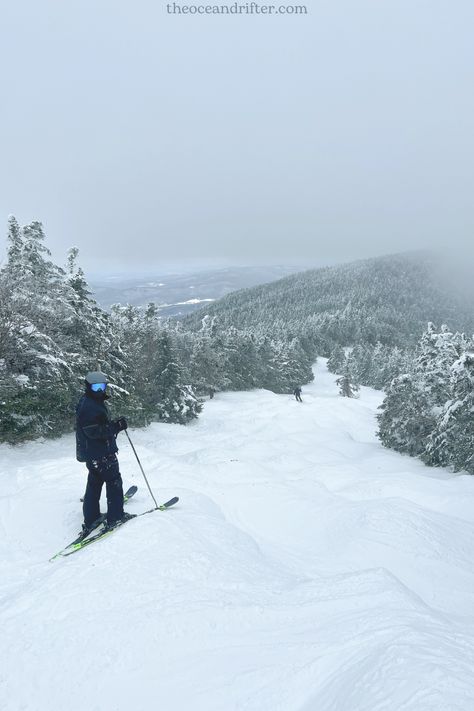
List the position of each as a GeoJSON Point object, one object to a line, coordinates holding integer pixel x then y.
{"type": "Point", "coordinates": [140, 465]}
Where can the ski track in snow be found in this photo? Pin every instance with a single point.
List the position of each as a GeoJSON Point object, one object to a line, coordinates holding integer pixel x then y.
{"type": "Point", "coordinates": [305, 568]}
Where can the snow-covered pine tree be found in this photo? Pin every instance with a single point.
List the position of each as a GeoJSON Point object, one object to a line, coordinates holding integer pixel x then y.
{"type": "Point", "coordinates": [86, 329]}
{"type": "Point", "coordinates": [206, 359]}
{"type": "Point", "coordinates": [265, 352]}
{"type": "Point", "coordinates": [397, 363]}
{"type": "Point", "coordinates": [177, 403]}
{"type": "Point", "coordinates": [348, 385]}
{"type": "Point", "coordinates": [76, 277]}
{"type": "Point", "coordinates": [174, 401]}
{"type": "Point", "coordinates": [405, 421]}
{"type": "Point", "coordinates": [414, 400]}
{"type": "Point", "coordinates": [452, 442]}
{"type": "Point", "coordinates": [35, 381]}
{"type": "Point", "coordinates": [436, 353]}
{"type": "Point", "coordinates": [361, 362]}
{"type": "Point", "coordinates": [336, 360]}
{"type": "Point", "coordinates": [239, 359]}
{"type": "Point", "coordinates": [15, 246]}
{"type": "Point", "coordinates": [136, 336]}
{"type": "Point", "coordinates": [378, 371]}
{"type": "Point", "coordinates": [288, 366]}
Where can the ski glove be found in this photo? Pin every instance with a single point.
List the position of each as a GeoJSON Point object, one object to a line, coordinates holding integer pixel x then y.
{"type": "Point", "coordinates": [121, 424]}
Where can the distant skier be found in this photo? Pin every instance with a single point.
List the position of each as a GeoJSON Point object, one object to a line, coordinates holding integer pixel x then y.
{"type": "Point", "coordinates": [211, 393]}
{"type": "Point", "coordinates": [96, 446]}
{"type": "Point", "coordinates": [297, 393]}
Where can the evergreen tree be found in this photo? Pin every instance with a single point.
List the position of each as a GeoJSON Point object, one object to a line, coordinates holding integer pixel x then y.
{"type": "Point", "coordinates": [437, 352]}
{"type": "Point", "coordinates": [15, 243]}
{"type": "Point", "coordinates": [175, 402]}
{"type": "Point", "coordinates": [36, 375]}
{"type": "Point", "coordinates": [206, 365]}
{"type": "Point", "coordinates": [418, 413]}
{"type": "Point", "coordinates": [361, 356]}
{"type": "Point", "coordinates": [348, 385]}
{"type": "Point", "coordinates": [336, 360]}
{"type": "Point", "coordinates": [239, 359]}
{"type": "Point", "coordinates": [288, 365]}
{"type": "Point", "coordinates": [452, 442]}
{"type": "Point", "coordinates": [406, 420]}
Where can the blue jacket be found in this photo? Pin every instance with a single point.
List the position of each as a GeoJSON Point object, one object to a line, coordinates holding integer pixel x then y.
{"type": "Point", "coordinates": [95, 432]}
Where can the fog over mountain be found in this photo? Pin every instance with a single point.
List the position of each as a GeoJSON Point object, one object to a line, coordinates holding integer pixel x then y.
{"type": "Point", "coordinates": [389, 298]}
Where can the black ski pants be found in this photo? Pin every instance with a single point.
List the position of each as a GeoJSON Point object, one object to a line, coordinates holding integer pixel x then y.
{"type": "Point", "coordinates": [103, 471]}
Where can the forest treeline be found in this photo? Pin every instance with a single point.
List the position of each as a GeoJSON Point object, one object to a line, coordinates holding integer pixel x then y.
{"type": "Point", "coordinates": [52, 332]}
{"type": "Point", "coordinates": [366, 317]}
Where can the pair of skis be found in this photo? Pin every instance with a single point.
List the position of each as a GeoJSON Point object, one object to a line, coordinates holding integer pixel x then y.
{"type": "Point", "coordinates": [85, 539]}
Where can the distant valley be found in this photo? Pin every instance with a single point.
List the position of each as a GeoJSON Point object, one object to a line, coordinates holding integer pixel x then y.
{"type": "Point", "coordinates": [179, 294]}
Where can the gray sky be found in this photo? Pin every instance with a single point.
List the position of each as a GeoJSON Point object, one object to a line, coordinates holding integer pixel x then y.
{"type": "Point", "coordinates": [145, 138]}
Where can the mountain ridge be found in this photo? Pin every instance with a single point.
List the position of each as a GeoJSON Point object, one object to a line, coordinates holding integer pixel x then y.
{"type": "Point", "coordinates": [388, 298]}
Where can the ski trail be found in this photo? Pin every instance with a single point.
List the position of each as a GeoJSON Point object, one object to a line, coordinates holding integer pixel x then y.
{"type": "Point", "coordinates": [305, 567]}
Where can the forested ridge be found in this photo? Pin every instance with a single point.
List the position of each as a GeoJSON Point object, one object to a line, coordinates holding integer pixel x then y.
{"type": "Point", "coordinates": [386, 299]}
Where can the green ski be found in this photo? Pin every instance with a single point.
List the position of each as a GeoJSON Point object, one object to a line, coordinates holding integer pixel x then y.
{"type": "Point", "coordinates": [84, 542]}
{"type": "Point", "coordinates": [126, 497]}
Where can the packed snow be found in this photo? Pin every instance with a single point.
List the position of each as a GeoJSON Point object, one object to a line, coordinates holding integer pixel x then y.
{"type": "Point", "coordinates": [305, 568]}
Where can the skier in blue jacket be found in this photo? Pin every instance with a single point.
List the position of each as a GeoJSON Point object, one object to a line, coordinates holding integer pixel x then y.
{"type": "Point", "coordinates": [96, 446]}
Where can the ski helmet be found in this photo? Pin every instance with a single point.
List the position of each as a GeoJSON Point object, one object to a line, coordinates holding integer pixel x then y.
{"type": "Point", "coordinates": [95, 376]}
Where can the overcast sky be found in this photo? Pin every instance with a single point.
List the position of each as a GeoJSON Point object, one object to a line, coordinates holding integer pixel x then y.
{"type": "Point", "coordinates": [146, 138]}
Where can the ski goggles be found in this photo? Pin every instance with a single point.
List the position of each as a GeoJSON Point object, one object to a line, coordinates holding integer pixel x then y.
{"type": "Point", "coordinates": [98, 387]}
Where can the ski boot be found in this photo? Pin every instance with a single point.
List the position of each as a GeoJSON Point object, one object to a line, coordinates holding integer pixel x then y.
{"type": "Point", "coordinates": [126, 517]}
{"type": "Point", "coordinates": [86, 530]}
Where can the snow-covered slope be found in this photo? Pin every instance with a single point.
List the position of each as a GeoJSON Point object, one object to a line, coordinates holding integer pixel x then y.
{"type": "Point", "coordinates": [304, 569]}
